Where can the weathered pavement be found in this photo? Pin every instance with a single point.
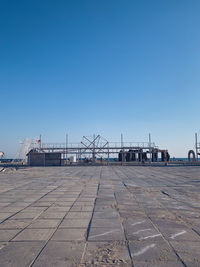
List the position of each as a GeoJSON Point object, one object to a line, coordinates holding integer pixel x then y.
{"type": "Point", "coordinates": [100, 216]}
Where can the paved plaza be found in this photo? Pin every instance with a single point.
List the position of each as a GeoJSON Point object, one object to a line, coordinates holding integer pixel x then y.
{"type": "Point", "coordinates": [100, 216]}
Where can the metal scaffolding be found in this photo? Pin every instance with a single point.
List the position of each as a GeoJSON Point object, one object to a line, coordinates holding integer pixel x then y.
{"type": "Point", "coordinates": [96, 148]}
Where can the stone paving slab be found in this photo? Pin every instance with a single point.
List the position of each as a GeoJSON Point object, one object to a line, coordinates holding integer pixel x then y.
{"type": "Point", "coordinates": [188, 251]}
{"type": "Point", "coordinates": [26, 215]}
{"type": "Point", "coordinates": [100, 216]}
{"type": "Point", "coordinates": [54, 209]}
{"type": "Point", "coordinates": [15, 224]}
{"type": "Point", "coordinates": [8, 234]}
{"type": "Point", "coordinates": [79, 215]}
{"type": "Point", "coordinates": [105, 234]}
{"type": "Point", "coordinates": [44, 223]}
{"type": "Point", "coordinates": [105, 223]}
{"type": "Point", "coordinates": [20, 204]}
{"type": "Point", "coordinates": [106, 254]}
{"type": "Point", "coordinates": [167, 263]}
{"type": "Point", "coordinates": [19, 253]}
{"type": "Point", "coordinates": [71, 234]}
{"type": "Point", "coordinates": [41, 204]}
{"type": "Point", "coordinates": [5, 204]}
{"type": "Point", "coordinates": [36, 210]}
{"type": "Point", "coordinates": [52, 215]}
{"type": "Point", "coordinates": [82, 208]}
{"type": "Point", "coordinates": [75, 223]}
{"type": "Point", "coordinates": [60, 254]}
{"type": "Point", "coordinates": [10, 210]}
{"type": "Point", "coordinates": [173, 230]}
{"type": "Point", "coordinates": [34, 235]}
{"type": "Point", "coordinates": [106, 215]}
{"type": "Point", "coordinates": [151, 251]}
{"type": "Point", "coordinates": [79, 204]}
{"type": "Point", "coordinates": [65, 205]}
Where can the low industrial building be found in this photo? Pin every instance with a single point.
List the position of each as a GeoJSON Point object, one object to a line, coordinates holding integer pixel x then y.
{"type": "Point", "coordinates": [36, 158]}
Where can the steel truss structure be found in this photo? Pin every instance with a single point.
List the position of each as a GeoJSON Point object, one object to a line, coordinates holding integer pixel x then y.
{"type": "Point", "coordinates": [96, 148]}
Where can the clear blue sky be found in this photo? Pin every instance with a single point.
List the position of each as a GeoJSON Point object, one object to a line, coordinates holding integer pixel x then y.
{"type": "Point", "coordinates": [103, 66]}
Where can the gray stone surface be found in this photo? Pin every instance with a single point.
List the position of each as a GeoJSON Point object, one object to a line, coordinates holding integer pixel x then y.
{"type": "Point", "coordinates": [52, 215]}
{"type": "Point", "coordinates": [106, 223]}
{"type": "Point", "coordinates": [60, 254]}
{"type": "Point", "coordinates": [34, 235]}
{"type": "Point", "coordinates": [43, 223]}
{"type": "Point", "coordinates": [26, 215]}
{"type": "Point", "coordinates": [100, 216]}
{"type": "Point", "coordinates": [79, 215]}
{"type": "Point", "coordinates": [71, 234]}
{"type": "Point", "coordinates": [15, 224]}
{"type": "Point", "coordinates": [8, 234]}
{"type": "Point", "coordinates": [188, 251]}
{"type": "Point", "coordinates": [75, 223]}
{"type": "Point", "coordinates": [21, 254]}
{"type": "Point", "coordinates": [4, 215]}
{"type": "Point", "coordinates": [106, 254]}
{"type": "Point", "coordinates": [104, 234]}
{"type": "Point", "coordinates": [82, 208]}
{"type": "Point", "coordinates": [151, 251]}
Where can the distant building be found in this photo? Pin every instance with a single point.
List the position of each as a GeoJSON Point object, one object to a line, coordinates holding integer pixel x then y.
{"type": "Point", "coordinates": [36, 158]}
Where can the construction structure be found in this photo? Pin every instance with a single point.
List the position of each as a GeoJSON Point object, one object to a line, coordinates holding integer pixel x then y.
{"type": "Point", "coordinates": [95, 149]}
{"type": "Point", "coordinates": [193, 155]}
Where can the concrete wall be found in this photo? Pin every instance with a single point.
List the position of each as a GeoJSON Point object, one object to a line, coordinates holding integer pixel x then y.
{"type": "Point", "coordinates": [44, 159]}
{"type": "Point", "coordinates": [52, 159]}
{"type": "Point", "coordinates": [36, 159]}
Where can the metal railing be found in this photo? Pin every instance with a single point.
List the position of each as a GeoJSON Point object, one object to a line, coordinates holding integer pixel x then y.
{"type": "Point", "coordinates": [132, 144]}
{"type": "Point", "coordinates": [59, 145]}
{"type": "Point", "coordinates": [100, 145]}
